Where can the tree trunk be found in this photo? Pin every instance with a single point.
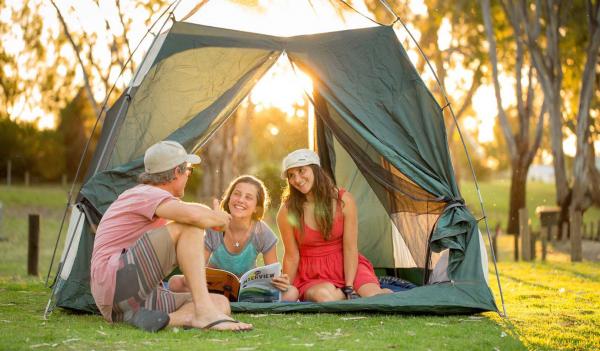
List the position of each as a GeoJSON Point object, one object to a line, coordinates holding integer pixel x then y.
{"type": "Point", "coordinates": [594, 183]}
{"type": "Point", "coordinates": [244, 118]}
{"type": "Point", "coordinates": [518, 190]}
{"type": "Point", "coordinates": [582, 197]}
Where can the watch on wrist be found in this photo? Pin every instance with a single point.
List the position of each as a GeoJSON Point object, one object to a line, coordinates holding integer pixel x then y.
{"type": "Point", "coordinates": [349, 292]}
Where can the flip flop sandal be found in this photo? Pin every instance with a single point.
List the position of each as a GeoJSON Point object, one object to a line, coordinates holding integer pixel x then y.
{"type": "Point", "coordinates": [217, 322]}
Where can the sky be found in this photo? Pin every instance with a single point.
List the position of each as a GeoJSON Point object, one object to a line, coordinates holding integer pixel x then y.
{"type": "Point", "coordinates": [283, 18]}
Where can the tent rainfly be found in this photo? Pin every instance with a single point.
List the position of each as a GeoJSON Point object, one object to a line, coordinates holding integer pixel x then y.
{"type": "Point", "coordinates": [379, 132]}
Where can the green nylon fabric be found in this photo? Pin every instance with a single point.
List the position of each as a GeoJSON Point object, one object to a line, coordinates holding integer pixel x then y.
{"type": "Point", "coordinates": [447, 298]}
{"type": "Point", "coordinates": [374, 225]}
{"type": "Point", "coordinates": [377, 91]}
{"type": "Point", "coordinates": [366, 76]}
{"type": "Point", "coordinates": [75, 292]}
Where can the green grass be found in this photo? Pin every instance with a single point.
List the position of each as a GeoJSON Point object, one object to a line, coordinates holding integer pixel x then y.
{"type": "Point", "coordinates": [550, 306]}
{"type": "Point", "coordinates": [18, 202]}
{"type": "Point", "coordinates": [22, 301]}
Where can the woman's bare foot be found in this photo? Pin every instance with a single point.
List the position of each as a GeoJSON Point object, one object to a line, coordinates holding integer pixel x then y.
{"type": "Point", "coordinates": [214, 320]}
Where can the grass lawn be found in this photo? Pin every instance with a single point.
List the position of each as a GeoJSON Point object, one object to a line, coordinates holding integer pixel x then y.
{"type": "Point", "coordinates": [550, 306]}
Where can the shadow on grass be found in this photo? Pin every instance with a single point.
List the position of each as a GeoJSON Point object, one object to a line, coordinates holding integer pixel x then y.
{"type": "Point", "coordinates": [561, 267]}
{"type": "Point", "coordinates": [512, 330]}
{"type": "Point", "coordinates": [521, 281]}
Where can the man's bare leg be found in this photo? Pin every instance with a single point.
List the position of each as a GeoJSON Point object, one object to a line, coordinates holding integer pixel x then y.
{"type": "Point", "coordinates": [189, 246]}
{"type": "Point", "coordinates": [182, 317]}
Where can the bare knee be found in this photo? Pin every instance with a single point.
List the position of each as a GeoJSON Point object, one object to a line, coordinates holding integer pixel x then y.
{"type": "Point", "coordinates": [322, 294]}
{"type": "Point", "coordinates": [177, 230]}
{"type": "Point", "coordinates": [177, 284]}
{"type": "Point", "coordinates": [291, 295]}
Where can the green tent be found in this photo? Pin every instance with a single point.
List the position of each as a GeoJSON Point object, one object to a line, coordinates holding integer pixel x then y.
{"type": "Point", "coordinates": [379, 132]}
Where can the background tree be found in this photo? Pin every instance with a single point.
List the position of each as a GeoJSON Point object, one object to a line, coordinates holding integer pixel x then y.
{"type": "Point", "coordinates": [254, 140]}
{"type": "Point", "coordinates": [34, 84]}
{"type": "Point", "coordinates": [522, 140]}
{"type": "Point", "coordinates": [586, 185]}
{"type": "Point", "coordinates": [101, 56]}
{"type": "Point", "coordinates": [551, 27]}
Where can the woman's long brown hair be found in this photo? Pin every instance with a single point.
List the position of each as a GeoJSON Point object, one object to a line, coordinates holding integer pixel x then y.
{"type": "Point", "coordinates": [324, 192]}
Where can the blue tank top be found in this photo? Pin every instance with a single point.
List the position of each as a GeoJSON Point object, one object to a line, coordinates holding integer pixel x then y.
{"type": "Point", "coordinates": [237, 264]}
{"type": "Point", "coordinates": [261, 240]}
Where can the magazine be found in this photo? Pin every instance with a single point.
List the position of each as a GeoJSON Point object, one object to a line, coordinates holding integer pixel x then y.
{"type": "Point", "coordinates": [254, 286]}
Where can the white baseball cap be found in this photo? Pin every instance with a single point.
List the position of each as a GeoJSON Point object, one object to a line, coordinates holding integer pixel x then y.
{"type": "Point", "coordinates": [166, 155]}
{"type": "Point", "coordinates": [299, 158]}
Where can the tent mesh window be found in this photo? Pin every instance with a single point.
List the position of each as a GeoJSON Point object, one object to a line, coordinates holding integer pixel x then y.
{"type": "Point", "coordinates": [412, 212]}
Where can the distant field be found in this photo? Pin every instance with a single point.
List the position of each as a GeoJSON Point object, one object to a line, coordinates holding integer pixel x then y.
{"type": "Point", "coordinates": [18, 202]}
{"type": "Point", "coordinates": [495, 200]}
{"type": "Point", "coordinates": [49, 202]}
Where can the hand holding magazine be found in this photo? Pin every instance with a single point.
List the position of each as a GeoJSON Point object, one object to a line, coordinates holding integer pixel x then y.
{"type": "Point", "coordinates": [254, 286]}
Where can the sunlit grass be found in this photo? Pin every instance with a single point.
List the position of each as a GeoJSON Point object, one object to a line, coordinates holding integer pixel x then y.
{"type": "Point", "coordinates": [551, 306]}
{"type": "Point", "coordinates": [23, 328]}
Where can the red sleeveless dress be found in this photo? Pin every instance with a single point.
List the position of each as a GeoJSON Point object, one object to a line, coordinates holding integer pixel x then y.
{"type": "Point", "coordinates": [323, 261]}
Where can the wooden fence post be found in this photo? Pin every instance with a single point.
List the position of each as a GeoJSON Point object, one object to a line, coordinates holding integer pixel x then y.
{"type": "Point", "coordinates": [534, 237]}
{"type": "Point", "coordinates": [524, 234]}
{"type": "Point", "coordinates": [34, 244]}
{"type": "Point", "coordinates": [8, 172]}
{"type": "Point", "coordinates": [516, 248]}
{"type": "Point", "coordinates": [565, 232]}
{"type": "Point", "coordinates": [1, 218]}
{"type": "Point", "coordinates": [64, 180]}
{"type": "Point", "coordinates": [495, 241]}
{"type": "Point", "coordinates": [554, 232]}
{"type": "Point", "coordinates": [27, 178]}
{"type": "Point", "coordinates": [545, 233]}
{"type": "Point", "coordinates": [575, 236]}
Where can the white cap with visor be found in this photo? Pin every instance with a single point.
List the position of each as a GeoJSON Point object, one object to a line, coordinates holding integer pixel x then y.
{"type": "Point", "coordinates": [166, 155]}
{"type": "Point", "coordinates": [299, 158]}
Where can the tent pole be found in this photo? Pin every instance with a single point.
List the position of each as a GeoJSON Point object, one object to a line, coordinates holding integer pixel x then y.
{"type": "Point", "coordinates": [440, 86]}
{"type": "Point", "coordinates": [49, 306]}
{"type": "Point", "coordinates": [82, 158]}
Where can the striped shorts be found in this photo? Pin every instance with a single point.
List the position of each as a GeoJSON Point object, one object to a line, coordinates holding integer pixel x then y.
{"type": "Point", "coordinates": [139, 276]}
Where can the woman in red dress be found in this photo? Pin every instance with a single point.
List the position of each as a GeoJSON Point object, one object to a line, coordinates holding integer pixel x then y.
{"type": "Point", "coordinates": [319, 227]}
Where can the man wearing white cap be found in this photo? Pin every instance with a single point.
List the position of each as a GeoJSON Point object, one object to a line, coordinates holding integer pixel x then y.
{"type": "Point", "coordinates": [143, 235]}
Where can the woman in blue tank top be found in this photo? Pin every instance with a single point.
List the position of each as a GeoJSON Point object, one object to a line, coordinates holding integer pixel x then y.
{"type": "Point", "coordinates": [237, 247]}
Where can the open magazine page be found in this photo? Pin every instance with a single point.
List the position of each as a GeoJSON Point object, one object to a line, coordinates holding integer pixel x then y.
{"type": "Point", "coordinates": [255, 285]}
{"type": "Point", "coordinates": [222, 282]}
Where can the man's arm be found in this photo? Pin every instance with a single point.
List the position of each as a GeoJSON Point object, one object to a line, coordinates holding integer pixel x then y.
{"type": "Point", "coordinates": [193, 214]}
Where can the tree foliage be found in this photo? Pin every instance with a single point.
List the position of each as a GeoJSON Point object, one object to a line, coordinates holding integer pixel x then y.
{"type": "Point", "coordinates": [40, 77]}
{"type": "Point", "coordinates": [35, 79]}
